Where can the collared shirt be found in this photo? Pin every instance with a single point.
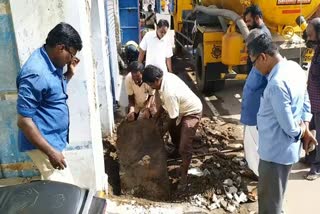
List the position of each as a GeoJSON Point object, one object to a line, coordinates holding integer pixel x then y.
{"type": "Point", "coordinates": [284, 105]}
{"type": "Point", "coordinates": [252, 91]}
{"type": "Point", "coordinates": [42, 96]}
{"type": "Point", "coordinates": [141, 93]}
{"type": "Point", "coordinates": [157, 50]}
{"type": "Point", "coordinates": [314, 82]}
{"type": "Point", "coordinates": [177, 98]}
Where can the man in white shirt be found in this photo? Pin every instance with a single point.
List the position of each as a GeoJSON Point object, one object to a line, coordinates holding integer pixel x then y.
{"type": "Point", "coordinates": [140, 95]}
{"type": "Point", "coordinates": [184, 109]}
{"type": "Point", "coordinates": [157, 47]}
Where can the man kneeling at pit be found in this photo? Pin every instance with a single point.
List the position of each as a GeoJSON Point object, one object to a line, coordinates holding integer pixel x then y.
{"type": "Point", "coordinates": [140, 94]}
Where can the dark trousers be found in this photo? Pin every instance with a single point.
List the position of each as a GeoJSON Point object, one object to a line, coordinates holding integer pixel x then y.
{"type": "Point", "coordinates": [314, 157]}
{"type": "Point", "coordinates": [273, 179]}
{"type": "Point", "coordinates": [182, 137]}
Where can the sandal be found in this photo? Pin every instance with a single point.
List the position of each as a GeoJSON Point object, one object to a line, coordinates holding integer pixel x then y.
{"type": "Point", "coordinates": [311, 177]}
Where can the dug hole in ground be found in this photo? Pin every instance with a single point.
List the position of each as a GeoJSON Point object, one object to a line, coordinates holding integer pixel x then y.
{"type": "Point", "coordinates": [143, 180]}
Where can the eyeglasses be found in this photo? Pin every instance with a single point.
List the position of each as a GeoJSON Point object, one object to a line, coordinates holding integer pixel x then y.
{"type": "Point", "coordinates": [255, 60]}
{"type": "Point", "coordinates": [72, 55]}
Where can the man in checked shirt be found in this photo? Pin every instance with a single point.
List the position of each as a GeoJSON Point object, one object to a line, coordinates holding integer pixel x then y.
{"type": "Point", "coordinates": [313, 33]}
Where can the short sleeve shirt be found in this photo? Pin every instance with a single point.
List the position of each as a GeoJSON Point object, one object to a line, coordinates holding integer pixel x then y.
{"type": "Point", "coordinates": [177, 98]}
{"type": "Point", "coordinates": [141, 93]}
{"type": "Point", "coordinates": [157, 50]}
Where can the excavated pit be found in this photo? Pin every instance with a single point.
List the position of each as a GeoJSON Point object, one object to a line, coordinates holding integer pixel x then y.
{"type": "Point", "coordinates": [218, 175]}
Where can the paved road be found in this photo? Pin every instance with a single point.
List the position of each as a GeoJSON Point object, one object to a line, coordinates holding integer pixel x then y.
{"type": "Point", "coordinates": [302, 196]}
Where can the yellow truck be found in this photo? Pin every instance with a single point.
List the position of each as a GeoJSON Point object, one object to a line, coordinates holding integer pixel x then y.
{"type": "Point", "coordinates": [215, 33]}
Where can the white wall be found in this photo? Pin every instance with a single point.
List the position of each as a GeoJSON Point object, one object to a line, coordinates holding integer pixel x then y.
{"type": "Point", "coordinates": [33, 20]}
{"type": "Point", "coordinates": [101, 61]}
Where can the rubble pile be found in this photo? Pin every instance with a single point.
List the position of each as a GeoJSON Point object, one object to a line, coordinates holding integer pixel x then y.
{"type": "Point", "coordinates": [218, 174]}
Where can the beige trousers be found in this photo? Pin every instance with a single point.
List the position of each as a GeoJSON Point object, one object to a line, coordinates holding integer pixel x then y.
{"type": "Point", "coordinates": [43, 164]}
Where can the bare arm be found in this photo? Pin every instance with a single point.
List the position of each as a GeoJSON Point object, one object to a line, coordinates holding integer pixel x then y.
{"type": "Point", "coordinates": [131, 103]}
{"type": "Point", "coordinates": [142, 54]}
{"type": "Point", "coordinates": [71, 68]}
{"type": "Point", "coordinates": [150, 100]}
{"type": "Point", "coordinates": [169, 64]}
{"type": "Point", "coordinates": [33, 134]}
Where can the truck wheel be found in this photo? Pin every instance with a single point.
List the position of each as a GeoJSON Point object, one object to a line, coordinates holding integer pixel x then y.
{"type": "Point", "coordinates": [177, 48]}
{"type": "Point", "coordinates": [205, 84]}
{"type": "Point", "coordinates": [202, 82]}
{"type": "Point", "coordinates": [218, 85]}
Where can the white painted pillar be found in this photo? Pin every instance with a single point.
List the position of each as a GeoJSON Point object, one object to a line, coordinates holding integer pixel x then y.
{"type": "Point", "coordinates": [100, 48]}
{"type": "Point", "coordinates": [85, 129]}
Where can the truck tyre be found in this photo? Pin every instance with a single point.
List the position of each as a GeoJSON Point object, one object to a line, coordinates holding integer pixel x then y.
{"type": "Point", "coordinates": [203, 83]}
{"type": "Point", "coordinates": [177, 48]}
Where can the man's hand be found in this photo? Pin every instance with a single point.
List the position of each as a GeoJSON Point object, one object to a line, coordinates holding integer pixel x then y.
{"type": "Point", "coordinates": [130, 116]}
{"type": "Point", "coordinates": [146, 113]}
{"type": "Point", "coordinates": [158, 115]}
{"type": "Point", "coordinates": [309, 142]}
{"type": "Point", "coordinates": [32, 133]}
{"type": "Point", "coordinates": [72, 68]}
{"type": "Point", "coordinates": [57, 160]}
{"type": "Point", "coordinates": [73, 64]}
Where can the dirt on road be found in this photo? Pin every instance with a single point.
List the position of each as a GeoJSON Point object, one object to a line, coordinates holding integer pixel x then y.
{"type": "Point", "coordinates": [218, 176]}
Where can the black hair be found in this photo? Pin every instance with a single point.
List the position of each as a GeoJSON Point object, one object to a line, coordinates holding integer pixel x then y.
{"type": "Point", "coordinates": [316, 25]}
{"type": "Point", "coordinates": [163, 23]}
{"type": "Point", "coordinates": [135, 67]}
{"type": "Point", "coordinates": [65, 34]}
{"type": "Point", "coordinates": [254, 10]}
{"type": "Point", "coordinates": [259, 42]}
{"type": "Point", "coordinates": [151, 73]}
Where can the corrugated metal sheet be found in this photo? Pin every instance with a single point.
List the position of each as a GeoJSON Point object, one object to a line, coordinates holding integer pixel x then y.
{"type": "Point", "coordinates": [129, 20]}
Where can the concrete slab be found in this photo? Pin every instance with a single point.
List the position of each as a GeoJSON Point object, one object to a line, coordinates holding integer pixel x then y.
{"type": "Point", "coordinates": [302, 196]}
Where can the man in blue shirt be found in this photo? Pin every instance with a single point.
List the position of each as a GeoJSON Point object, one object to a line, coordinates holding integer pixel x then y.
{"type": "Point", "coordinates": [282, 118]}
{"type": "Point", "coordinates": [43, 114]}
{"type": "Point", "coordinates": [252, 91]}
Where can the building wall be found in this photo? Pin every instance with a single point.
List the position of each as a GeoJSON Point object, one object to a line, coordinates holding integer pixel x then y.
{"type": "Point", "coordinates": [32, 20]}
{"type": "Point", "coordinates": [111, 8]}
{"type": "Point", "coordinates": [12, 162]}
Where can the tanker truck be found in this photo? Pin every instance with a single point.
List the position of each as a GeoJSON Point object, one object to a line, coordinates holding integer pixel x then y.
{"type": "Point", "coordinates": [214, 31]}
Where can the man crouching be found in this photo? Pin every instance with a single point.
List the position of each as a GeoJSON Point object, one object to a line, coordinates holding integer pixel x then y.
{"type": "Point", "coordinates": [184, 109]}
{"type": "Point", "coordinates": [140, 95]}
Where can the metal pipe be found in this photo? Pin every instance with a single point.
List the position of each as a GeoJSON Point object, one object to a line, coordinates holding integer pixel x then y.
{"type": "Point", "coordinates": [228, 14]}
{"type": "Point", "coordinates": [188, 39]}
